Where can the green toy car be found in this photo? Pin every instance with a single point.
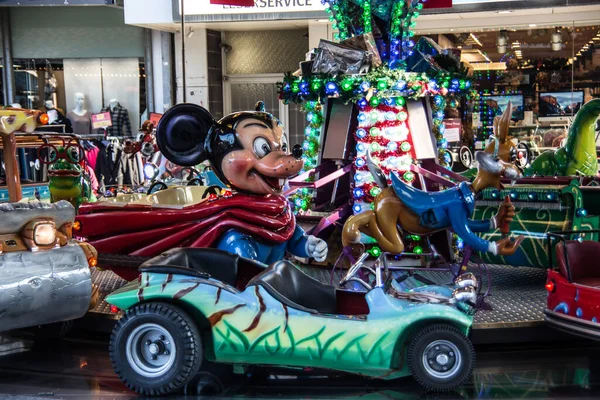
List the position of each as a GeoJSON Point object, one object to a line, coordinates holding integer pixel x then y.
{"type": "Point", "coordinates": [192, 307]}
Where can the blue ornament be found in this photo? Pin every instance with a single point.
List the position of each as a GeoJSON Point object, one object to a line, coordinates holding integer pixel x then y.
{"type": "Point", "coordinates": [362, 117]}
{"type": "Point", "coordinates": [365, 86]}
{"type": "Point", "coordinates": [358, 177]}
{"type": "Point", "coordinates": [514, 195]}
{"type": "Point", "coordinates": [532, 196]}
{"type": "Point", "coordinates": [331, 88]}
{"type": "Point", "coordinates": [443, 143]}
{"type": "Point", "coordinates": [298, 202]}
{"type": "Point", "coordinates": [392, 146]}
{"type": "Point", "coordinates": [581, 212]}
{"type": "Point", "coordinates": [579, 313]}
{"type": "Point", "coordinates": [358, 193]}
{"type": "Point", "coordinates": [551, 196]}
{"type": "Point", "coordinates": [357, 209]}
{"type": "Point", "coordinates": [455, 82]}
{"type": "Point", "coordinates": [438, 100]}
{"type": "Point", "coordinates": [361, 133]}
{"type": "Point", "coordinates": [360, 162]}
{"type": "Point", "coordinates": [361, 148]}
{"type": "Point", "coordinates": [362, 103]}
{"type": "Point", "coordinates": [303, 85]}
{"type": "Point", "coordinates": [495, 194]}
{"type": "Point", "coordinates": [400, 85]}
{"type": "Point", "coordinates": [390, 116]}
{"type": "Point", "coordinates": [389, 102]}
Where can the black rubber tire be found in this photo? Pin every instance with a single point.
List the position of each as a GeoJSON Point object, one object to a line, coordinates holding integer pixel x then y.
{"type": "Point", "coordinates": [213, 379]}
{"type": "Point", "coordinates": [429, 335]}
{"type": "Point", "coordinates": [186, 338]}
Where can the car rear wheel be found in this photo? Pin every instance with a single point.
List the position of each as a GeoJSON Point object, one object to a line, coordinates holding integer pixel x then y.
{"type": "Point", "coordinates": [441, 357]}
{"type": "Point", "coordinates": [155, 349]}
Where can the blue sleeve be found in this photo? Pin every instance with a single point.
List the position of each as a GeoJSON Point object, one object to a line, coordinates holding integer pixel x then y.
{"type": "Point", "coordinates": [460, 225]}
{"type": "Point", "coordinates": [483, 225]}
{"type": "Point", "coordinates": [239, 243]}
{"type": "Point", "coordinates": [297, 244]}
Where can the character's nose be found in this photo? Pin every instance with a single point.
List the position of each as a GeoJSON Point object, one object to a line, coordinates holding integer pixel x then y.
{"type": "Point", "coordinates": [297, 151]}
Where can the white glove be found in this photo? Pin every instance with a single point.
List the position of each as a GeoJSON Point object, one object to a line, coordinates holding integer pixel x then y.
{"type": "Point", "coordinates": [316, 248]}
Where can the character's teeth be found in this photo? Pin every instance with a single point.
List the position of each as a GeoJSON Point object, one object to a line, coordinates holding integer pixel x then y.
{"type": "Point", "coordinates": [281, 182]}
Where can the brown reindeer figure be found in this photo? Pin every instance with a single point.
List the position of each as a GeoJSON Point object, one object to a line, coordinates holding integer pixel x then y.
{"type": "Point", "coordinates": [421, 213]}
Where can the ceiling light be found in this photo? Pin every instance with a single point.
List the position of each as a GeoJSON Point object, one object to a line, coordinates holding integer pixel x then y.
{"type": "Point", "coordinates": [532, 25]}
{"type": "Point", "coordinates": [556, 41]}
{"type": "Point", "coordinates": [505, 12]}
{"type": "Point", "coordinates": [501, 49]}
{"type": "Point", "coordinates": [502, 38]}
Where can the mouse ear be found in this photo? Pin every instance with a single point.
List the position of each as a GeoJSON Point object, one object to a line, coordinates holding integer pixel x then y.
{"type": "Point", "coordinates": [182, 133]}
{"type": "Point", "coordinates": [260, 106]}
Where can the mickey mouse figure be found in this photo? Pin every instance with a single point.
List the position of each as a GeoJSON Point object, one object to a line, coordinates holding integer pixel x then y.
{"type": "Point", "coordinates": [249, 152]}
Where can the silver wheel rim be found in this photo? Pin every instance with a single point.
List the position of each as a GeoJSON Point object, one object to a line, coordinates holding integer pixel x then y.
{"type": "Point", "coordinates": [150, 350]}
{"type": "Point", "coordinates": [442, 359]}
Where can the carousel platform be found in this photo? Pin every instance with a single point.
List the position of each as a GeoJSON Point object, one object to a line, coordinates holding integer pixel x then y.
{"type": "Point", "coordinates": [513, 311]}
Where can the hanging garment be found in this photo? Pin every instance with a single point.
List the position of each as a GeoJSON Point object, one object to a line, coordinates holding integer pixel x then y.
{"type": "Point", "coordinates": [120, 120]}
{"type": "Point", "coordinates": [112, 167]}
{"type": "Point", "coordinates": [91, 155]}
{"type": "Point", "coordinates": [81, 124]}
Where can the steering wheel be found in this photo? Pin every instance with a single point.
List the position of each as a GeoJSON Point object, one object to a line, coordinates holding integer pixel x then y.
{"type": "Point", "coordinates": [353, 270]}
{"type": "Point", "coordinates": [195, 182]}
{"type": "Point", "coordinates": [523, 154]}
{"type": "Point", "coordinates": [157, 187]}
{"type": "Point", "coordinates": [191, 173]}
{"type": "Point", "coordinates": [211, 190]}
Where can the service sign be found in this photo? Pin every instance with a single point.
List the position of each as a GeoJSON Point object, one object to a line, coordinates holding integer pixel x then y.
{"type": "Point", "coordinates": [101, 120]}
{"type": "Point", "coordinates": [259, 7]}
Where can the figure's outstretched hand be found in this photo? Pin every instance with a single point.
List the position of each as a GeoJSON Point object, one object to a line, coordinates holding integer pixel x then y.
{"type": "Point", "coordinates": [506, 214]}
{"type": "Point", "coordinates": [316, 248]}
{"type": "Point", "coordinates": [507, 247]}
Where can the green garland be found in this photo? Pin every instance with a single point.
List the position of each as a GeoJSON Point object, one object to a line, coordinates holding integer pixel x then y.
{"type": "Point", "coordinates": [302, 198]}
{"type": "Point", "coordinates": [379, 84]}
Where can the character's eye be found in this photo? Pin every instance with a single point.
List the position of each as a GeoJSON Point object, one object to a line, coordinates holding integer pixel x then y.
{"type": "Point", "coordinates": [140, 136]}
{"type": "Point", "coordinates": [284, 144]}
{"type": "Point", "coordinates": [261, 147]}
{"type": "Point", "coordinates": [73, 154]}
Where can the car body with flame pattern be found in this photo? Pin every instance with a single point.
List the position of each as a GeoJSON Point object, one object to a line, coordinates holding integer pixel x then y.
{"type": "Point", "coordinates": [192, 307]}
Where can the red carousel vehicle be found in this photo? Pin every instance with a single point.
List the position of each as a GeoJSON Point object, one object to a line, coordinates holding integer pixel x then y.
{"type": "Point", "coordinates": [574, 286]}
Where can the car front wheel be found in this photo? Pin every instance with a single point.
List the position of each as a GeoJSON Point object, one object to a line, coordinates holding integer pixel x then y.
{"type": "Point", "coordinates": [155, 349]}
{"type": "Point", "coordinates": [441, 357]}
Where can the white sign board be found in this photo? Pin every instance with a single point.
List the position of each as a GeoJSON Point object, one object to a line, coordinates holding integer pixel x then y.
{"type": "Point", "coordinates": [200, 7]}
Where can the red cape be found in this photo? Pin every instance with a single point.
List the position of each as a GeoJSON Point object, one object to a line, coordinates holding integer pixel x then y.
{"type": "Point", "coordinates": [142, 230]}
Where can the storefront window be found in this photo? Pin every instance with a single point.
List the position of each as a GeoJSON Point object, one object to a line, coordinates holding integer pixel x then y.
{"type": "Point", "coordinates": [57, 84]}
{"type": "Point", "coordinates": [546, 72]}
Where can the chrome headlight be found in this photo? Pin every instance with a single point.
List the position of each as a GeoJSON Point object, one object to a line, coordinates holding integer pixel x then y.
{"type": "Point", "coordinates": [465, 294]}
{"type": "Point", "coordinates": [466, 280]}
